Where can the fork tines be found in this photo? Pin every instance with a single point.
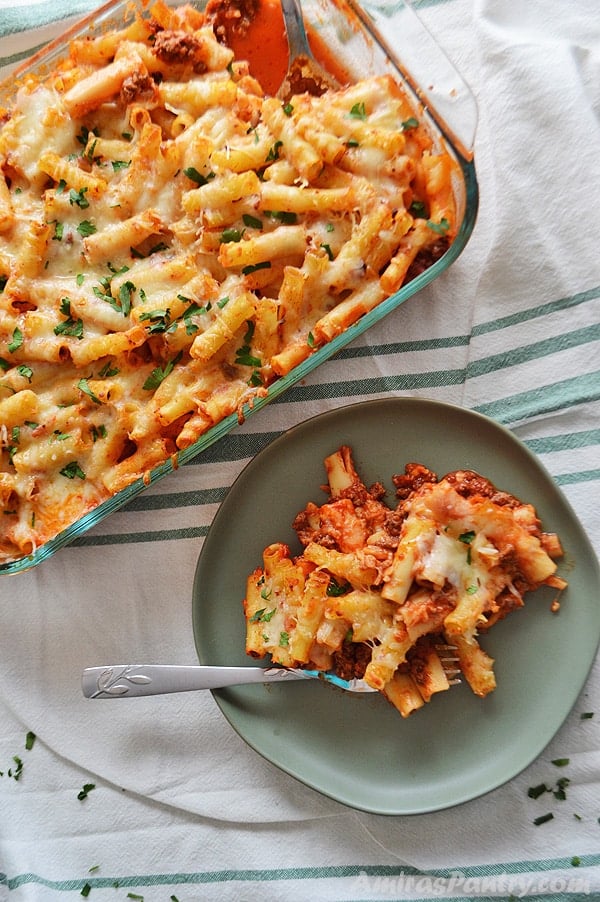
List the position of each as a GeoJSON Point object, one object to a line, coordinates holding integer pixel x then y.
{"type": "Point", "coordinates": [449, 660]}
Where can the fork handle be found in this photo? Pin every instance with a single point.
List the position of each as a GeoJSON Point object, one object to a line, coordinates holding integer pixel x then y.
{"type": "Point", "coordinates": [132, 680]}
{"type": "Point", "coordinates": [294, 29]}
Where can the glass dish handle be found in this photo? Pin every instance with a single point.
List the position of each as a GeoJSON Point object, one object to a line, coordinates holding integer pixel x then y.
{"type": "Point", "coordinates": [433, 77]}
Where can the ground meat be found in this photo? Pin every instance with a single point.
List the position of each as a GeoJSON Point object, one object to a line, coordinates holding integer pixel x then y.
{"type": "Point", "coordinates": [393, 522]}
{"type": "Point", "coordinates": [414, 476]}
{"type": "Point", "coordinates": [467, 483]}
{"type": "Point", "coordinates": [138, 87]}
{"type": "Point", "coordinates": [303, 78]}
{"type": "Point", "coordinates": [230, 17]}
{"type": "Point", "coordinates": [303, 528]}
{"type": "Point", "coordinates": [426, 258]}
{"type": "Point", "coordinates": [350, 662]}
{"type": "Point", "coordinates": [367, 503]}
{"type": "Point", "coordinates": [180, 47]}
{"type": "Point", "coordinates": [377, 491]}
{"type": "Point", "coordinates": [325, 539]}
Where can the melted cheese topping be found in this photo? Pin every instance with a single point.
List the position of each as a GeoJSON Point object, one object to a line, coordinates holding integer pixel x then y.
{"type": "Point", "coordinates": [171, 241]}
{"type": "Point", "coordinates": [455, 556]}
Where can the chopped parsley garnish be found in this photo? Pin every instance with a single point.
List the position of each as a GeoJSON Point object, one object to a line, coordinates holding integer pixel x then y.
{"type": "Point", "coordinates": [561, 762]}
{"type": "Point", "coordinates": [15, 772]}
{"type": "Point", "coordinates": [440, 228]}
{"type": "Point", "coordinates": [86, 890]}
{"type": "Point", "coordinates": [243, 355]}
{"type": "Point", "coordinates": [90, 153]}
{"type": "Point", "coordinates": [359, 111]}
{"type": "Point", "coordinates": [274, 152]}
{"type": "Point", "coordinates": [288, 108]}
{"type": "Point", "coordinates": [284, 639]}
{"type": "Point", "coordinates": [254, 267]}
{"type": "Point", "coordinates": [534, 792]}
{"type": "Point", "coordinates": [108, 370]}
{"type": "Point", "coordinates": [418, 209]}
{"type": "Point", "coordinates": [85, 790]}
{"type": "Point", "coordinates": [122, 304]}
{"type": "Point", "coordinates": [83, 386]}
{"type": "Point", "coordinates": [120, 164]}
{"type": "Point", "coordinates": [107, 297]}
{"type": "Point", "coordinates": [192, 310]}
{"type": "Point", "coordinates": [587, 715]}
{"type": "Point", "coordinates": [25, 371]}
{"type": "Point", "coordinates": [156, 248]}
{"type": "Point", "coordinates": [467, 537]}
{"type": "Point", "coordinates": [231, 235]}
{"type": "Point", "coordinates": [335, 589]}
{"type": "Point", "coordinates": [159, 374]}
{"type": "Point", "coordinates": [98, 432]}
{"type": "Point", "coordinates": [84, 134]}
{"type": "Point", "coordinates": [29, 740]}
{"type": "Point", "coordinates": [197, 177]}
{"type": "Point", "coordinates": [125, 294]}
{"type": "Point", "coordinates": [310, 340]}
{"type": "Point", "coordinates": [59, 230]}
{"type": "Point", "coordinates": [251, 221]}
{"type": "Point", "coordinates": [263, 616]}
{"type": "Point", "coordinates": [71, 327]}
{"type": "Point", "coordinates": [78, 198]}
{"type": "Point", "coordinates": [409, 123]}
{"type": "Point", "coordinates": [328, 251]}
{"type": "Point", "coordinates": [86, 228]}
{"type": "Point", "coordinates": [72, 470]}
{"type": "Point", "coordinates": [543, 818]}
{"type": "Point", "coordinates": [159, 320]}
{"type": "Point", "coordinates": [561, 787]}
{"type": "Point", "coordinates": [117, 272]}
{"type": "Point", "coordinates": [16, 341]}
{"type": "Point", "coordinates": [287, 218]}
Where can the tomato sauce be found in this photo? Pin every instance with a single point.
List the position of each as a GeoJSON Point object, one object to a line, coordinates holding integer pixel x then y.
{"type": "Point", "coordinates": [264, 46]}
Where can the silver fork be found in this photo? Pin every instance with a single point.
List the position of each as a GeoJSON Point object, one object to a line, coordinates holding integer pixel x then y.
{"type": "Point", "coordinates": [304, 73]}
{"type": "Point", "coordinates": [133, 680]}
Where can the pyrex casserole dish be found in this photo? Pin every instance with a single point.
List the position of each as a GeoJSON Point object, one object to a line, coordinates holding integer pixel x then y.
{"type": "Point", "coordinates": [353, 38]}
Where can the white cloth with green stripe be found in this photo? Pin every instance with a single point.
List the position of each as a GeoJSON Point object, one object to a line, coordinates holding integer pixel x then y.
{"type": "Point", "coordinates": [181, 806]}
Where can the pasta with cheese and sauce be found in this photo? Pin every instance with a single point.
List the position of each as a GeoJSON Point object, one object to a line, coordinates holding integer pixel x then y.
{"type": "Point", "coordinates": [396, 595]}
{"type": "Point", "coordinates": [173, 239]}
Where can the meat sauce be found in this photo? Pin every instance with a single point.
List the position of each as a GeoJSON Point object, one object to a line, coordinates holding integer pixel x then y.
{"type": "Point", "coordinates": [255, 32]}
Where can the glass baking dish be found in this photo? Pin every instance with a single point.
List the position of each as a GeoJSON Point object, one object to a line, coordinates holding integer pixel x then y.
{"type": "Point", "coordinates": [354, 36]}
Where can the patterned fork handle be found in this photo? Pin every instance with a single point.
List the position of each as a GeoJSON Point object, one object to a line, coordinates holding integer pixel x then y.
{"type": "Point", "coordinates": [134, 680]}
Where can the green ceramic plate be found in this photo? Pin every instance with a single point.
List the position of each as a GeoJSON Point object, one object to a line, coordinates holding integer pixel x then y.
{"type": "Point", "coordinates": [357, 749]}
